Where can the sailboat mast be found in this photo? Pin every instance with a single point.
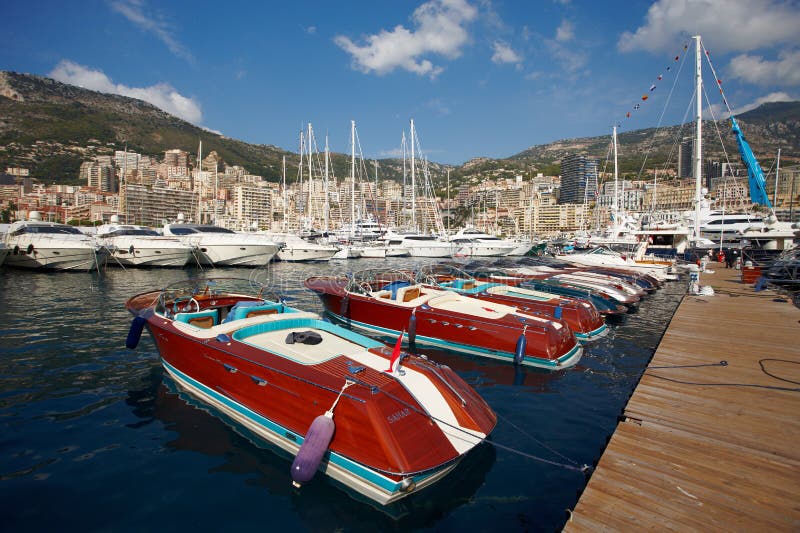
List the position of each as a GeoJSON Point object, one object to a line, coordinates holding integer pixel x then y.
{"type": "Point", "coordinates": [310, 175]}
{"type": "Point", "coordinates": [124, 183]}
{"type": "Point", "coordinates": [327, 203]}
{"type": "Point", "coordinates": [615, 203]}
{"type": "Point", "coordinates": [698, 149]}
{"type": "Point", "coordinates": [777, 171]}
{"type": "Point", "coordinates": [285, 199]}
{"type": "Point", "coordinates": [216, 188]}
{"type": "Point", "coordinates": [413, 182]}
{"type": "Point", "coordinates": [448, 201]}
{"type": "Point", "coordinates": [405, 177]}
{"type": "Point", "coordinates": [352, 177]}
{"type": "Point", "coordinates": [199, 181]}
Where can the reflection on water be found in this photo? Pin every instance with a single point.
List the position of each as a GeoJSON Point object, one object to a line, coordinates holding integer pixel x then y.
{"type": "Point", "coordinates": [94, 436]}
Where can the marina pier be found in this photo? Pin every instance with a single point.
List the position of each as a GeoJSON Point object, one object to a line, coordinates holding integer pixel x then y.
{"type": "Point", "coordinates": [709, 438]}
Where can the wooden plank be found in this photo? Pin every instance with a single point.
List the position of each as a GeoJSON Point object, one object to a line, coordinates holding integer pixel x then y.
{"type": "Point", "coordinates": [708, 457]}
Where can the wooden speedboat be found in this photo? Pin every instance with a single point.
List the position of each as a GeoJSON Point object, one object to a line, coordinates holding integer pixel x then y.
{"type": "Point", "coordinates": [381, 422]}
{"type": "Point", "coordinates": [602, 302]}
{"type": "Point", "coordinates": [387, 303]}
{"type": "Point", "coordinates": [581, 316]}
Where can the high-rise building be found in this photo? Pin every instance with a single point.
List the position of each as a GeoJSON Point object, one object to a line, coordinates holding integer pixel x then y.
{"type": "Point", "coordinates": [685, 157]}
{"type": "Point", "coordinates": [578, 179]}
{"type": "Point", "coordinates": [98, 175]}
{"type": "Point", "coordinates": [176, 158]}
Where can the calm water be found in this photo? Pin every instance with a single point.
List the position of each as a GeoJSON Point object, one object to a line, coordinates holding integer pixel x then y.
{"type": "Point", "coordinates": [95, 436]}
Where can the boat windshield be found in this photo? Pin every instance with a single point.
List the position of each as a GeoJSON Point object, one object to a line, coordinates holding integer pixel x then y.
{"type": "Point", "coordinates": [130, 231]}
{"type": "Point", "coordinates": [59, 229]}
{"type": "Point", "coordinates": [213, 229]}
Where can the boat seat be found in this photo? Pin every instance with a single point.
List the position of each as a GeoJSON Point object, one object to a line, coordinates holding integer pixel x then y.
{"type": "Point", "coordinates": [395, 287]}
{"type": "Point", "coordinates": [200, 319]}
{"type": "Point", "coordinates": [257, 310]}
{"type": "Point", "coordinates": [247, 309]}
{"type": "Point", "coordinates": [406, 294]}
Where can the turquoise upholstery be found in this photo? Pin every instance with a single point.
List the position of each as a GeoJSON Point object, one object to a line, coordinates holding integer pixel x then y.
{"type": "Point", "coordinates": [185, 317]}
{"type": "Point", "coordinates": [238, 311]}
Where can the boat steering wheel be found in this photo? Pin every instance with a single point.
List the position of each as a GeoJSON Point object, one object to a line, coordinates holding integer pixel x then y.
{"type": "Point", "coordinates": [366, 288]}
{"type": "Point", "coordinates": [186, 308]}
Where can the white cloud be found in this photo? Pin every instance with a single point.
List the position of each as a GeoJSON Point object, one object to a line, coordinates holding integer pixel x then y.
{"type": "Point", "coordinates": [565, 32]}
{"type": "Point", "coordinates": [725, 25]}
{"type": "Point", "coordinates": [439, 29]}
{"type": "Point", "coordinates": [161, 95]}
{"type": "Point", "coordinates": [311, 30]}
{"type": "Point", "coordinates": [134, 11]}
{"type": "Point", "coordinates": [503, 53]}
{"type": "Point", "coordinates": [759, 71]}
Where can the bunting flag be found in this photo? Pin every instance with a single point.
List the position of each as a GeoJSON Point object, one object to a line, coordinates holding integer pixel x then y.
{"type": "Point", "coordinates": [659, 78]}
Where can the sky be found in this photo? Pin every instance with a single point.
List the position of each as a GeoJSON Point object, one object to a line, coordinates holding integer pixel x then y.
{"type": "Point", "coordinates": [480, 78]}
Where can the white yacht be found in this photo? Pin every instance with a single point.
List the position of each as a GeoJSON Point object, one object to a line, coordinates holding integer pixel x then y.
{"type": "Point", "coordinates": [728, 226]}
{"type": "Point", "coordinates": [295, 248]}
{"type": "Point", "coordinates": [470, 241]}
{"type": "Point", "coordinates": [419, 245]}
{"type": "Point", "coordinates": [347, 251]}
{"type": "Point", "coordinates": [772, 235]}
{"type": "Point", "coordinates": [223, 247]}
{"type": "Point", "coordinates": [522, 245]}
{"type": "Point", "coordinates": [606, 257]}
{"type": "Point", "coordinates": [50, 245]}
{"type": "Point", "coordinates": [140, 246]}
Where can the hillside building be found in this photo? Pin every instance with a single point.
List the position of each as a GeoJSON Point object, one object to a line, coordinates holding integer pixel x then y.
{"type": "Point", "coordinates": [578, 179]}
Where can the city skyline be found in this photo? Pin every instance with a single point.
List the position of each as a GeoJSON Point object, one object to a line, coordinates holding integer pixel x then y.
{"type": "Point", "coordinates": [480, 79]}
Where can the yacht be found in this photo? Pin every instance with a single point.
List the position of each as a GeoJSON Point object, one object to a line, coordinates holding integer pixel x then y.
{"type": "Point", "coordinates": [728, 226]}
{"type": "Point", "coordinates": [772, 235]}
{"type": "Point", "coordinates": [473, 242]}
{"type": "Point", "coordinates": [295, 248]}
{"type": "Point", "coordinates": [605, 257]}
{"type": "Point", "coordinates": [223, 247]}
{"type": "Point", "coordinates": [419, 245]}
{"type": "Point", "coordinates": [52, 246]}
{"type": "Point", "coordinates": [140, 246]}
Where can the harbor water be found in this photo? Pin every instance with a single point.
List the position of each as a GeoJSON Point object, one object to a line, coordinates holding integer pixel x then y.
{"type": "Point", "coordinates": [95, 437]}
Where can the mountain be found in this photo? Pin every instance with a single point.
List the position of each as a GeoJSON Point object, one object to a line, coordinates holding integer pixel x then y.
{"type": "Point", "coordinates": [766, 128]}
{"type": "Point", "coordinates": [50, 128]}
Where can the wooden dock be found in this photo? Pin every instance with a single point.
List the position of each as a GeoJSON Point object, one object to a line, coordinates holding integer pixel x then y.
{"type": "Point", "coordinates": [708, 448]}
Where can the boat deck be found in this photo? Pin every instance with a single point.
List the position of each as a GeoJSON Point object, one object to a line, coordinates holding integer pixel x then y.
{"type": "Point", "coordinates": [701, 446]}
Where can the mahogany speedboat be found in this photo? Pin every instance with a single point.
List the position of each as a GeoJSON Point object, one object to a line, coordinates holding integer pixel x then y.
{"type": "Point", "coordinates": [401, 422]}
{"type": "Point", "coordinates": [580, 315]}
{"type": "Point", "coordinates": [387, 303]}
{"type": "Point", "coordinates": [602, 302]}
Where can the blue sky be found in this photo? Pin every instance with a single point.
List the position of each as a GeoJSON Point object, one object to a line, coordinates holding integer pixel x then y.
{"type": "Point", "coordinates": [479, 77]}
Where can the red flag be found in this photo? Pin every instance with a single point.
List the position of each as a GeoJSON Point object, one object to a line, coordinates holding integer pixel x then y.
{"type": "Point", "coordinates": [645, 97]}
{"type": "Point", "coordinates": [395, 353]}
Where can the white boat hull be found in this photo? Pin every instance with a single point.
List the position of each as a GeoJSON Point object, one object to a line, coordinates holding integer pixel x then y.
{"type": "Point", "coordinates": [306, 254]}
{"type": "Point", "coordinates": [83, 258]}
{"type": "Point", "coordinates": [244, 255]}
